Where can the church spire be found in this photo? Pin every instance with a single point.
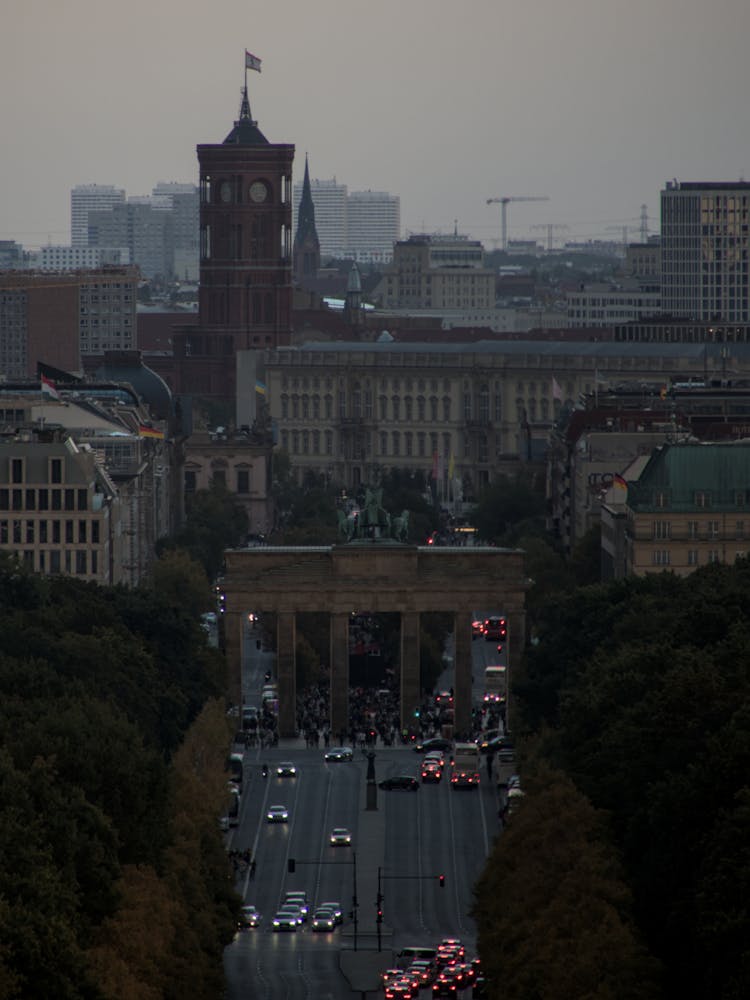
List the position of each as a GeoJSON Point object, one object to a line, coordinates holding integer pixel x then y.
{"type": "Point", "coordinates": [306, 251]}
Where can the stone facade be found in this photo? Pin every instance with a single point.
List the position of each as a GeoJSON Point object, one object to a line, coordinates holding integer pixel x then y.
{"type": "Point", "coordinates": [379, 577]}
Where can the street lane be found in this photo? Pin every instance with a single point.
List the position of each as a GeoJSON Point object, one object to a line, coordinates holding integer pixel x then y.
{"type": "Point", "coordinates": [436, 830]}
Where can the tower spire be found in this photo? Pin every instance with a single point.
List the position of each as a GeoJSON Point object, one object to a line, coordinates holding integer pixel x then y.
{"type": "Point", "coordinates": [306, 251]}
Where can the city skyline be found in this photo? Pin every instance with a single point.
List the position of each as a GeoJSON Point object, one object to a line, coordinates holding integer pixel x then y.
{"type": "Point", "coordinates": [590, 105]}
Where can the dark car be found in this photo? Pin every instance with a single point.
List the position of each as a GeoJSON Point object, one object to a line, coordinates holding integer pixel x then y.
{"type": "Point", "coordinates": [479, 989]}
{"type": "Point", "coordinates": [406, 781]}
{"type": "Point", "coordinates": [435, 743]}
{"type": "Point", "coordinates": [445, 985]}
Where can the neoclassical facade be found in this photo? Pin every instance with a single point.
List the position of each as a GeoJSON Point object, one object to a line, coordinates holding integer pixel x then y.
{"type": "Point", "coordinates": [458, 412]}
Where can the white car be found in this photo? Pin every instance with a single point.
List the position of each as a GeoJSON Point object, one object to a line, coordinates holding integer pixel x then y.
{"type": "Point", "coordinates": [277, 814]}
{"type": "Point", "coordinates": [340, 837]}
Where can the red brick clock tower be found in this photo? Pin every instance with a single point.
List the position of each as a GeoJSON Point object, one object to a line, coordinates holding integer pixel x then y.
{"type": "Point", "coordinates": [245, 294]}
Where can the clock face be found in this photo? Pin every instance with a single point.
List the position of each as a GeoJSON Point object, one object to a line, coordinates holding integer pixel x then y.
{"type": "Point", "coordinates": [258, 191]}
{"type": "Point", "coordinates": [225, 191]}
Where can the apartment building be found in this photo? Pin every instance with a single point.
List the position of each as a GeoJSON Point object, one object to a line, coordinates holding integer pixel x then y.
{"type": "Point", "coordinates": [59, 509]}
{"type": "Point", "coordinates": [59, 319]}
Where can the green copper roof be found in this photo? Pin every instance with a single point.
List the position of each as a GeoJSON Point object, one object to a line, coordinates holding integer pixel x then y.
{"type": "Point", "coordinates": [694, 477]}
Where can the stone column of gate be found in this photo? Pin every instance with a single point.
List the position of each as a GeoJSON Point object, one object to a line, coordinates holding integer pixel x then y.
{"type": "Point", "coordinates": [339, 640]}
{"type": "Point", "coordinates": [410, 689]}
{"type": "Point", "coordinates": [286, 669]}
{"type": "Point", "coordinates": [233, 625]}
{"type": "Point", "coordinates": [462, 664]}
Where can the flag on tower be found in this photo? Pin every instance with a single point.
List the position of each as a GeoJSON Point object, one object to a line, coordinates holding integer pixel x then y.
{"type": "Point", "coordinates": [251, 61]}
{"type": "Point", "coordinates": [48, 388]}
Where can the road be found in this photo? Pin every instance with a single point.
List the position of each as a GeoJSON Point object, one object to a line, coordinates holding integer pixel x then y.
{"type": "Point", "coordinates": [406, 843]}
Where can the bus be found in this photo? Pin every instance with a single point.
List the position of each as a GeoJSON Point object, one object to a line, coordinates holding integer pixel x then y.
{"type": "Point", "coordinates": [465, 766]}
{"type": "Point", "coordinates": [495, 685]}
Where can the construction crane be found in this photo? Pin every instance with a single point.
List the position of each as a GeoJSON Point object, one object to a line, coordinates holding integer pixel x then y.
{"type": "Point", "coordinates": [551, 228]}
{"type": "Point", "coordinates": [503, 203]}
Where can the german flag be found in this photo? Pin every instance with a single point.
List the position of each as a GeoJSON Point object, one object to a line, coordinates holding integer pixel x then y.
{"type": "Point", "coordinates": [150, 432]}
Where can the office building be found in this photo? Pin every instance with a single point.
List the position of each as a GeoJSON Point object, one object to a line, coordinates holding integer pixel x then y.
{"type": "Point", "coordinates": [331, 201]}
{"type": "Point", "coordinates": [373, 226]}
{"type": "Point", "coordinates": [443, 273]}
{"type": "Point", "coordinates": [64, 258]}
{"type": "Point", "coordinates": [144, 228]}
{"type": "Point", "coordinates": [603, 304]}
{"type": "Point", "coordinates": [705, 239]}
{"type": "Point", "coordinates": [87, 198]}
{"type": "Point", "coordinates": [357, 225]}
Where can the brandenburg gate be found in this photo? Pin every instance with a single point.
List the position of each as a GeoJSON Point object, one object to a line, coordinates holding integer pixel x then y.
{"type": "Point", "coordinates": [371, 575]}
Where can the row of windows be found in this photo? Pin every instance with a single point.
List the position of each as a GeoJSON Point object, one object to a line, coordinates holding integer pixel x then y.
{"type": "Point", "coordinates": [420, 445]}
{"type": "Point", "coordinates": [78, 563]}
{"type": "Point", "coordinates": [701, 498]}
{"type": "Point", "coordinates": [661, 557]}
{"type": "Point", "coordinates": [44, 499]}
{"type": "Point", "coordinates": [53, 532]}
{"type": "Point", "coordinates": [307, 407]}
{"type": "Point", "coordinates": [696, 529]}
{"type": "Point", "coordinates": [219, 478]}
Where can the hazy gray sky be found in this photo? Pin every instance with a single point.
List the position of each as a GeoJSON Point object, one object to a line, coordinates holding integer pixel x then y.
{"type": "Point", "coordinates": [594, 103]}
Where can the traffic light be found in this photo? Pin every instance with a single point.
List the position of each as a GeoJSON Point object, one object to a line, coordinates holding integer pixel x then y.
{"type": "Point", "coordinates": [441, 881]}
{"type": "Point", "coordinates": [291, 866]}
{"type": "Point", "coordinates": [379, 918]}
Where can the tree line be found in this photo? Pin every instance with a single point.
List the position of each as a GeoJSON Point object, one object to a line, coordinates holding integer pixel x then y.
{"type": "Point", "coordinates": [626, 870]}
{"type": "Point", "coordinates": [113, 737]}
